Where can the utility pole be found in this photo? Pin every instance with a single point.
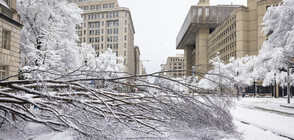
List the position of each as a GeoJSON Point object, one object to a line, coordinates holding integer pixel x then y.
{"type": "Point", "coordinates": [288, 83]}
{"type": "Point", "coordinates": [254, 88]}
{"type": "Point", "coordinates": [237, 86]}
{"type": "Point", "coordinates": [219, 74]}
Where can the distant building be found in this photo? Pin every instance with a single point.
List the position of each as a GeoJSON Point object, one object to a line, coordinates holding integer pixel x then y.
{"type": "Point", "coordinates": [142, 69]}
{"type": "Point", "coordinates": [10, 28]}
{"type": "Point", "coordinates": [174, 67]}
{"type": "Point", "coordinates": [108, 26]}
{"type": "Point", "coordinates": [234, 31]}
{"type": "Point", "coordinates": [137, 60]}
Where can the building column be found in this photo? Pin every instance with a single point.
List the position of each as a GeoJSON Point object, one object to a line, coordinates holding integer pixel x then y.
{"type": "Point", "coordinates": [201, 59]}
{"type": "Point", "coordinates": [188, 60]}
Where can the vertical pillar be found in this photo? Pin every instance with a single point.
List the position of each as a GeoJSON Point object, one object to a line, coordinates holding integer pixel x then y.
{"type": "Point", "coordinates": [188, 60]}
{"type": "Point", "coordinates": [201, 59]}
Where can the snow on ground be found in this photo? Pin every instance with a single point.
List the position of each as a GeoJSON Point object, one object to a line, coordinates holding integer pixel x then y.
{"type": "Point", "coordinates": [55, 136]}
{"type": "Point", "coordinates": [250, 132]}
{"type": "Point", "coordinates": [32, 131]}
{"type": "Point", "coordinates": [280, 124]}
{"type": "Point", "coordinates": [273, 104]}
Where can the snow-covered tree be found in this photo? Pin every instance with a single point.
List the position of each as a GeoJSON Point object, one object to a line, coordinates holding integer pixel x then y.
{"type": "Point", "coordinates": [278, 50]}
{"type": "Point", "coordinates": [237, 73]}
{"type": "Point", "coordinates": [48, 37]}
{"type": "Point", "coordinates": [70, 102]}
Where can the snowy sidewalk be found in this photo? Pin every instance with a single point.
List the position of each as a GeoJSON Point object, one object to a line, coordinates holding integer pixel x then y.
{"type": "Point", "coordinates": [278, 124]}
{"type": "Point", "coordinates": [250, 132]}
{"type": "Point", "coordinates": [278, 106]}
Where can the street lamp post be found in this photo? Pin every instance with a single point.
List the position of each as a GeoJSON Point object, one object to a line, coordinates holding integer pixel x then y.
{"type": "Point", "coordinates": [219, 72]}
{"type": "Point", "coordinates": [288, 83]}
{"type": "Point", "coordinates": [237, 85]}
{"type": "Point", "coordinates": [193, 72]}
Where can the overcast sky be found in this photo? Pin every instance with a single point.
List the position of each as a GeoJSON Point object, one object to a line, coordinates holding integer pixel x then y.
{"type": "Point", "coordinates": [157, 23]}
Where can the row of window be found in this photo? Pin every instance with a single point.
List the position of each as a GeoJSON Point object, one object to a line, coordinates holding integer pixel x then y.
{"type": "Point", "coordinates": [101, 15]}
{"type": "Point", "coordinates": [92, 7]}
{"type": "Point", "coordinates": [97, 7]}
{"type": "Point", "coordinates": [231, 29]}
{"type": "Point", "coordinates": [112, 38]}
{"type": "Point", "coordinates": [111, 46]}
{"type": "Point", "coordinates": [225, 42]}
{"type": "Point", "coordinates": [176, 59]}
{"type": "Point", "coordinates": [177, 68]}
{"type": "Point", "coordinates": [112, 31]}
{"type": "Point", "coordinates": [176, 63]}
{"type": "Point", "coordinates": [112, 23]}
{"type": "Point", "coordinates": [97, 32]}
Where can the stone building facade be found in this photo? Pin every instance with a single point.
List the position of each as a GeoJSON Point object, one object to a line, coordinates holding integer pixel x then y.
{"type": "Point", "coordinates": [174, 67]}
{"type": "Point", "coordinates": [108, 26]}
{"type": "Point", "coordinates": [10, 28]}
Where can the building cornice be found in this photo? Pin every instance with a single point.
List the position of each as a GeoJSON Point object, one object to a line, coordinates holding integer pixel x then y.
{"type": "Point", "coordinates": [8, 19]}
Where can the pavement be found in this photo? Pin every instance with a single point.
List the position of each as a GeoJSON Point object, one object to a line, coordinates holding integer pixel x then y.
{"type": "Point", "coordinates": [269, 114]}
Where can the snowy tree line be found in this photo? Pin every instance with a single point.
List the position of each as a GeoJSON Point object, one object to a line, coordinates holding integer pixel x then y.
{"type": "Point", "coordinates": [270, 65]}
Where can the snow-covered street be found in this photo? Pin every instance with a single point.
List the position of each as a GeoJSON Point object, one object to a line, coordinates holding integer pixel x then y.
{"type": "Point", "coordinates": [264, 119]}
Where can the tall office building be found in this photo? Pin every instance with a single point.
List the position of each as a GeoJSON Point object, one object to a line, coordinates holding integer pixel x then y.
{"type": "Point", "coordinates": [10, 27]}
{"type": "Point", "coordinates": [108, 26]}
{"type": "Point", "coordinates": [234, 31]}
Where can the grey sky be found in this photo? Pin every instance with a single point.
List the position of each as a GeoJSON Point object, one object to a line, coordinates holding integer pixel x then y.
{"type": "Point", "coordinates": [157, 23]}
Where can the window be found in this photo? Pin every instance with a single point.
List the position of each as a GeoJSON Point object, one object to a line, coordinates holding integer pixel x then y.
{"type": "Point", "coordinates": [111, 5]}
{"type": "Point", "coordinates": [98, 7]}
{"type": "Point", "coordinates": [5, 39]}
{"type": "Point", "coordinates": [125, 53]}
{"type": "Point", "coordinates": [3, 72]}
{"type": "Point", "coordinates": [125, 37]}
{"type": "Point", "coordinates": [126, 22]}
{"type": "Point", "coordinates": [112, 23]}
{"type": "Point", "coordinates": [115, 38]}
{"type": "Point", "coordinates": [125, 45]}
{"type": "Point", "coordinates": [125, 29]}
{"type": "Point", "coordinates": [86, 7]}
{"type": "Point", "coordinates": [125, 61]}
{"type": "Point", "coordinates": [105, 6]}
{"type": "Point", "coordinates": [92, 7]}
